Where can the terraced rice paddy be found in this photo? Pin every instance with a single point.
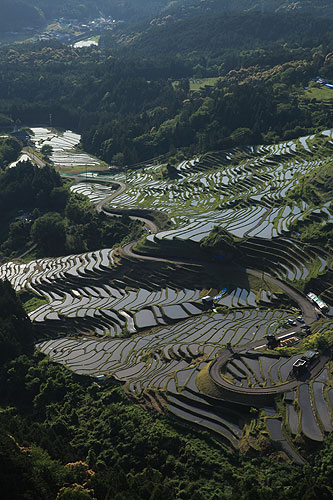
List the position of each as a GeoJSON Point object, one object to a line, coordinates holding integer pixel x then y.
{"type": "Point", "coordinates": [91, 294]}
{"type": "Point", "coordinates": [257, 178]}
{"type": "Point", "coordinates": [167, 361]}
{"type": "Point", "coordinates": [286, 258]}
{"type": "Point", "coordinates": [253, 369]}
{"type": "Point", "coordinates": [244, 191]}
{"type": "Point", "coordinates": [95, 192]}
{"type": "Point", "coordinates": [142, 325]}
{"type": "Point", "coordinates": [63, 145]}
{"type": "Point", "coordinates": [44, 273]}
{"type": "Point", "coordinates": [274, 427]}
{"type": "Point", "coordinates": [312, 415]}
{"type": "Point", "coordinates": [310, 427]}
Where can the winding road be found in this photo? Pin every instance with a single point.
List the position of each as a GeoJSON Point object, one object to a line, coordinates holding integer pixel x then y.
{"type": "Point", "coordinates": [100, 206]}
{"type": "Point", "coordinates": [215, 370]}
{"type": "Point", "coordinates": [308, 310]}
{"type": "Point", "coordinates": [248, 396]}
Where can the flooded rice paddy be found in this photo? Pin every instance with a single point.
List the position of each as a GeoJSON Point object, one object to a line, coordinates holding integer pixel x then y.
{"type": "Point", "coordinates": [153, 334]}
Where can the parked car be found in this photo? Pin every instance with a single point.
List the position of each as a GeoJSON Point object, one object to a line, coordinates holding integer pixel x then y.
{"type": "Point", "coordinates": [291, 322]}
{"type": "Point", "coordinates": [300, 319]}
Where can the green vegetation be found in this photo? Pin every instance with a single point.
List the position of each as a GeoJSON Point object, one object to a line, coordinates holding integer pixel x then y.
{"type": "Point", "coordinates": [197, 76]}
{"type": "Point", "coordinates": [196, 84]}
{"type": "Point", "coordinates": [46, 214]}
{"type": "Point", "coordinates": [185, 249]}
{"type": "Point", "coordinates": [206, 384]}
{"type": "Point", "coordinates": [94, 38]}
{"type": "Point", "coordinates": [30, 301]}
{"type": "Point", "coordinates": [5, 122]}
{"type": "Point", "coordinates": [320, 94]}
{"type": "Point", "coordinates": [19, 14]}
{"type": "Point", "coordinates": [16, 332]}
{"type": "Point", "coordinates": [127, 109]}
{"type": "Point", "coordinates": [320, 340]}
{"type": "Point", "coordinates": [46, 151]}
{"type": "Point", "coordinates": [9, 150]}
{"type": "Point", "coordinates": [161, 219]}
{"type": "Point", "coordinates": [316, 188]}
{"type": "Point", "coordinates": [169, 172]}
{"type": "Point", "coordinates": [220, 241]}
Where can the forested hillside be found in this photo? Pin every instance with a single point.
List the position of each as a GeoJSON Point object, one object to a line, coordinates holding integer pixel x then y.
{"type": "Point", "coordinates": [55, 220]}
{"type": "Point", "coordinates": [130, 108]}
{"type": "Point", "coordinates": [17, 14]}
{"type": "Point", "coordinates": [189, 8]}
{"type": "Point", "coordinates": [220, 32]}
{"type": "Point", "coordinates": [132, 98]}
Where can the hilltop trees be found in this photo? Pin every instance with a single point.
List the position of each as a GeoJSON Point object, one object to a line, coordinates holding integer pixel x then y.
{"type": "Point", "coordinates": [46, 213]}
{"type": "Point", "coordinates": [49, 233]}
{"type": "Point", "coordinates": [220, 241]}
{"type": "Point", "coordinates": [46, 151]}
{"type": "Point", "coordinates": [27, 186]}
{"type": "Point", "coordinates": [9, 151]}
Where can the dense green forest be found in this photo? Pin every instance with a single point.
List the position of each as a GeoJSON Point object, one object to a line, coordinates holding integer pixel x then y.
{"type": "Point", "coordinates": [9, 149]}
{"type": "Point", "coordinates": [131, 97]}
{"type": "Point", "coordinates": [37, 209]}
{"type": "Point", "coordinates": [128, 109]}
{"type": "Point", "coordinates": [229, 31]}
{"type": "Point", "coordinates": [190, 8]}
{"type": "Point", "coordinates": [18, 14]}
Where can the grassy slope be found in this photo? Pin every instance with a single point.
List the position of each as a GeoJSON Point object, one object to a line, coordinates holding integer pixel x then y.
{"type": "Point", "coordinates": [320, 94]}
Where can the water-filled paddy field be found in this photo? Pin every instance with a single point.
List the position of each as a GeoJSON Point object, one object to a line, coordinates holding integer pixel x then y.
{"type": "Point", "coordinates": [257, 178]}
{"type": "Point", "coordinates": [246, 191]}
{"type": "Point", "coordinates": [148, 328]}
{"type": "Point", "coordinates": [63, 145]}
{"type": "Point", "coordinates": [171, 336]}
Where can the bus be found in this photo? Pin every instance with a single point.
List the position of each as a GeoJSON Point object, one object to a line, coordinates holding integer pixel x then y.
{"type": "Point", "coordinates": [317, 302]}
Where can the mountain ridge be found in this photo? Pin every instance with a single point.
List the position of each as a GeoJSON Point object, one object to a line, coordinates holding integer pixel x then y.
{"type": "Point", "coordinates": [39, 12]}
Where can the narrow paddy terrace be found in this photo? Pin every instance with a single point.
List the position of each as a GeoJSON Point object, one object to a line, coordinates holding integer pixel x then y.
{"type": "Point", "coordinates": [144, 323]}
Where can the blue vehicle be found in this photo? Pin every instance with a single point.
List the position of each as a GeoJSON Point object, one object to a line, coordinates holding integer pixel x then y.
{"type": "Point", "coordinates": [220, 295]}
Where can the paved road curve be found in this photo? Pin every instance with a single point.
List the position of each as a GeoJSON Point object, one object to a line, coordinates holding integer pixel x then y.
{"type": "Point", "coordinates": [101, 206]}
{"type": "Point", "coordinates": [215, 371]}
{"type": "Point", "coordinates": [308, 310]}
